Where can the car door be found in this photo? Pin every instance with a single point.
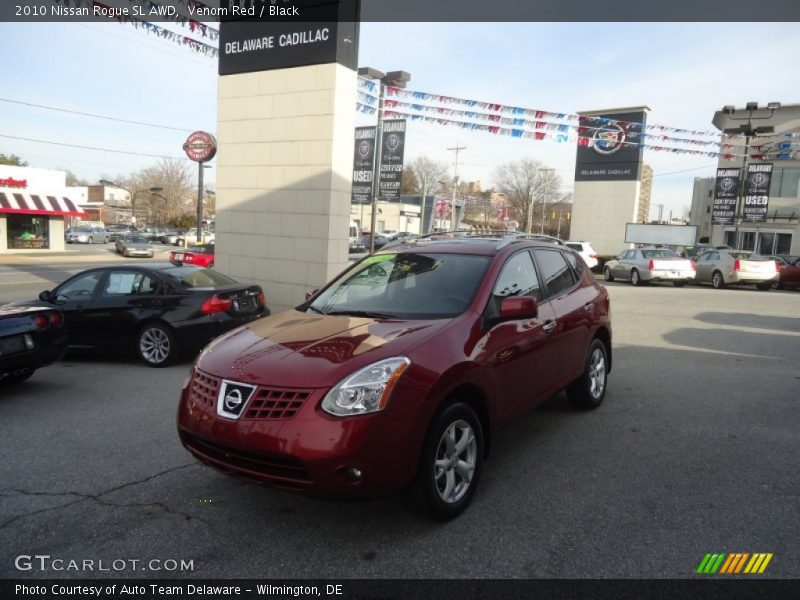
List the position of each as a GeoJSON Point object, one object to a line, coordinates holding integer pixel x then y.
{"type": "Point", "coordinates": [702, 273]}
{"type": "Point", "coordinates": [621, 269]}
{"type": "Point", "coordinates": [125, 298]}
{"type": "Point", "coordinates": [521, 358]}
{"type": "Point", "coordinates": [573, 306]}
{"type": "Point", "coordinates": [74, 297]}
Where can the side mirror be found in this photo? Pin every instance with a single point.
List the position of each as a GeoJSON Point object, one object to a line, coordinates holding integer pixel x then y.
{"type": "Point", "coordinates": [310, 293]}
{"type": "Point", "coordinates": [46, 296]}
{"type": "Point", "coordinates": [518, 307]}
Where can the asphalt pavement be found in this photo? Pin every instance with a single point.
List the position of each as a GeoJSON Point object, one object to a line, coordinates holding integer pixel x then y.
{"type": "Point", "coordinates": [696, 449]}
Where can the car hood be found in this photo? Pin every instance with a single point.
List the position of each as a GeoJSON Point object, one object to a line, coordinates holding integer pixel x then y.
{"type": "Point", "coordinates": [309, 350]}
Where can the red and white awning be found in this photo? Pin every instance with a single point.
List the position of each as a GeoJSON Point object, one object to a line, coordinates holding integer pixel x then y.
{"type": "Point", "coordinates": [38, 204]}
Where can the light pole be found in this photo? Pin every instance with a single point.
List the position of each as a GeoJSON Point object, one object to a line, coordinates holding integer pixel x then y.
{"type": "Point", "coordinates": [544, 193]}
{"type": "Point", "coordinates": [749, 132]}
{"type": "Point", "coordinates": [152, 190]}
{"type": "Point", "coordinates": [394, 79]}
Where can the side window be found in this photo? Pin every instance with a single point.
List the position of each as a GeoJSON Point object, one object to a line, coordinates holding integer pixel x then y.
{"type": "Point", "coordinates": [625, 255]}
{"type": "Point", "coordinates": [81, 287]}
{"type": "Point", "coordinates": [713, 256]}
{"type": "Point", "coordinates": [576, 263]}
{"type": "Point", "coordinates": [518, 278]}
{"type": "Point", "coordinates": [128, 283]}
{"type": "Point", "coordinates": [555, 271]}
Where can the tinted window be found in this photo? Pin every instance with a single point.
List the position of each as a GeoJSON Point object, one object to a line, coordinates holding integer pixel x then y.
{"type": "Point", "coordinates": [576, 247]}
{"type": "Point", "coordinates": [81, 286]}
{"type": "Point", "coordinates": [518, 278]}
{"type": "Point", "coordinates": [189, 276]}
{"type": "Point", "coordinates": [128, 283]}
{"type": "Point", "coordinates": [576, 263]}
{"type": "Point", "coordinates": [555, 271]}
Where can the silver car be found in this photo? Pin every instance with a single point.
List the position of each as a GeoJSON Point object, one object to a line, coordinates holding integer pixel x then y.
{"type": "Point", "coordinates": [642, 265]}
{"type": "Point", "coordinates": [87, 235]}
{"type": "Point", "coordinates": [135, 245]}
{"type": "Point", "coordinates": [725, 267]}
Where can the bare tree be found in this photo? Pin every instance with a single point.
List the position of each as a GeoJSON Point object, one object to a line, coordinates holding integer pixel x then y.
{"type": "Point", "coordinates": [429, 173]}
{"type": "Point", "coordinates": [178, 190]}
{"type": "Point", "coordinates": [527, 182]}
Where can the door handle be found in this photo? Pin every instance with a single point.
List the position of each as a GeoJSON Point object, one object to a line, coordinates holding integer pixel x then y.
{"type": "Point", "coordinates": [588, 306]}
{"type": "Point", "coordinates": [549, 326]}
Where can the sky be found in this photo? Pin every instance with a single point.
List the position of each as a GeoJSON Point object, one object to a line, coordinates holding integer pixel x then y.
{"type": "Point", "coordinates": [682, 72]}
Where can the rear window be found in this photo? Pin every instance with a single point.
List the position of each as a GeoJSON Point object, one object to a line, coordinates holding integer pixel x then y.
{"type": "Point", "coordinates": [576, 247]}
{"type": "Point", "coordinates": [658, 253]}
{"type": "Point", "coordinates": [196, 277]}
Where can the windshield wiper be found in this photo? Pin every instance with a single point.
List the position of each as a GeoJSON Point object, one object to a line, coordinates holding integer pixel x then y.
{"type": "Point", "coordinates": [361, 313]}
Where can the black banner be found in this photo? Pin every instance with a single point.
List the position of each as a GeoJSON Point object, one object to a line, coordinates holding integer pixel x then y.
{"type": "Point", "coordinates": [363, 164]}
{"type": "Point", "coordinates": [726, 192]}
{"type": "Point", "coordinates": [756, 191]}
{"type": "Point", "coordinates": [609, 147]}
{"type": "Point", "coordinates": [392, 149]}
{"type": "Point", "coordinates": [320, 33]}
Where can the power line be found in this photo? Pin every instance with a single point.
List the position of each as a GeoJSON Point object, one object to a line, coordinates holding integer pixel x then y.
{"type": "Point", "coordinates": [13, 137]}
{"type": "Point", "coordinates": [96, 116]}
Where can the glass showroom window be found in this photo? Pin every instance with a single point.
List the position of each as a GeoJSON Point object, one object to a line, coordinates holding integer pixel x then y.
{"type": "Point", "coordinates": [783, 243]}
{"type": "Point", "coordinates": [27, 231]}
{"type": "Point", "coordinates": [747, 240]}
{"type": "Point", "coordinates": [766, 240]}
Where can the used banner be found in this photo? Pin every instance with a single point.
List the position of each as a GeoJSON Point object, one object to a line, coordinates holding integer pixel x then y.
{"type": "Point", "coordinates": [363, 165]}
{"type": "Point", "coordinates": [726, 191]}
{"type": "Point", "coordinates": [393, 146]}
{"type": "Point", "coordinates": [756, 191]}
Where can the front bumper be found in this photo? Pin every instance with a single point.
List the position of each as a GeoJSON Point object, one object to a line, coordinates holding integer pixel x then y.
{"type": "Point", "coordinates": [309, 451]}
{"type": "Point", "coordinates": [134, 252]}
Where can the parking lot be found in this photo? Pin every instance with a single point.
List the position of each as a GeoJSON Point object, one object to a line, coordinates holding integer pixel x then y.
{"type": "Point", "coordinates": [695, 450]}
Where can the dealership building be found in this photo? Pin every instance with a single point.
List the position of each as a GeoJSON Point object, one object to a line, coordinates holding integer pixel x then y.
{"type": "Point", "coordinates": [33, 206]}
{"type": "Point", "coordinates": [777, 144]}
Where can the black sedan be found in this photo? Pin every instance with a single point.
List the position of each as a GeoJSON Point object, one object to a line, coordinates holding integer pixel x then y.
{"type": "Point", "coordinates": [31, 337]}
{"type": "Point", "coordinates": [158, 310]}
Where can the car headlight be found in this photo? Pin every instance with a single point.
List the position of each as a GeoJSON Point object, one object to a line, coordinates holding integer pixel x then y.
{"type": "Point", "coordinates": [367, 390]}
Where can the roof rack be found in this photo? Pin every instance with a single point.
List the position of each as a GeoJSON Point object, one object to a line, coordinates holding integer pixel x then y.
{"type": "Point", "coordinates": [501, 235]}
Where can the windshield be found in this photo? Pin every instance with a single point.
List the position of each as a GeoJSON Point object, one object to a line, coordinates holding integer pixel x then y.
{"type": "Point", "coordinates": [405, 285]}
{"type": "Point", "coordinates": [660, 253]}
{"type": "Point", "coordinates": [196, 277]}
{"type": "Point", "coordinates": [136, 239]}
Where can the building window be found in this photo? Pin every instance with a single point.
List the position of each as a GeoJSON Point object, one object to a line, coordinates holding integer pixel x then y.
{"type": "Point", "coordinates": [747, 240]}
{"type": "Point", "coordinates": [27, 231]}
{"type": "Point", "coordinates": [783, 243]}
{"type": "Point", "coordinates": [730, 239]}
{"type": "Point", "coordinates": [766, 241]}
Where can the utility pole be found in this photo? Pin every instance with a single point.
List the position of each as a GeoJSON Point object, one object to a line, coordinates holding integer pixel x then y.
{"type": "Point", "coordinates": [455, 149]}
{"type": "Point", "coordinates": [544, 194]}
{"type": "Point", "coordinates": [529, 220]}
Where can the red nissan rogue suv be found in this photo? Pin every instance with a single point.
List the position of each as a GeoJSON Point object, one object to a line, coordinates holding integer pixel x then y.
{"type": "Point", "coordinates": [394, 375]}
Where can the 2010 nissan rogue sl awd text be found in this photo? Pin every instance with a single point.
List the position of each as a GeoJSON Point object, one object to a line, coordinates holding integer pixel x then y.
{"type": "Point", "coordinates": [393, 376]}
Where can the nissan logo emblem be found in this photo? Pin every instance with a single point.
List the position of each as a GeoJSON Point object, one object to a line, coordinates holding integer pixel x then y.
{"type": "Point", "coordinates": [233, 400]}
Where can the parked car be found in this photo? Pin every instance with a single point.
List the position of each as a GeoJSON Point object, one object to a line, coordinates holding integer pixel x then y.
{"type": "Point", "coordinates": [207, 237]}
{"type": "Point", "coordinates": [695, 251]}
{"type": "Point", "coordinates": [380, 241]}
{"type": "Point", "coordinates": [587, 252]}
{"type": "Point", "coordinates": [356, 247]}
{"type": "Point", "coordinates": [721, 268]}
{"type": "Point", "coordinates": [789, 275]}
{"type": "Point", "coordinates": [135, 245]}
{"type": "Point", "coordinates": [154, 232]}
{"type": "Point", "coordinates": [202, 255]}
{"type": "Point", "coordinates": [87, 235]}
{"type": "Point", "coordinates": [159, 310]}
{"type": "Point", "coordinates": [396, 374]}
{"type": "Point", "coordinates": [643, 265]}
{"type": "Point", "coordinates": [116, 231]}
{"type": "Point", "coordinates": [170, 236]}
{"type": "Point", "coordinates": [31, 337]}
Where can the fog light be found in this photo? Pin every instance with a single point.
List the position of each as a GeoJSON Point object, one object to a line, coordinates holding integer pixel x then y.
{"type": "Point", "coordinates": [351, 475]}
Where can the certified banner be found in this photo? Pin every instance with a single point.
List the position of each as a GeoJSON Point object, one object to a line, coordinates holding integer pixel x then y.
{"type": "Point", "coordinates": [726, 191]}
{"type": "Point", "coordinates": [756, 191]}
{"type": "Point", "coordinates": [393, 147]}
{"type": "Point", "coordinates": [363, 165]}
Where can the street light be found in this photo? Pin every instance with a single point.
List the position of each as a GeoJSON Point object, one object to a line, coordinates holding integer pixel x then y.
{"type": "Point", "coordinates": [397, 79]}
{"type": "Point", "coordinates": [152, 190]}
{"type": "Point", "coordinates": [749, 132]}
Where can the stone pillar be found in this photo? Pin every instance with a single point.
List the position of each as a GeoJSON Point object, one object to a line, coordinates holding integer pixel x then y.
{"type": "Point", "coordinates": [284, 163]}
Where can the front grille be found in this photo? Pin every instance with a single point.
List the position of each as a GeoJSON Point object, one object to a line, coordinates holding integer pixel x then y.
{"type": "Point", "coordinates": [275, 403]}
{"type": "Point", "coordinates": [279, 470]}
{"type": "Point", "coordinates": [204, 389]}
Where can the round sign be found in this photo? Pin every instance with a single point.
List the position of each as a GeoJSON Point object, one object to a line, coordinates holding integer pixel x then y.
{"type": "Point", "coordinates": [200, 146]}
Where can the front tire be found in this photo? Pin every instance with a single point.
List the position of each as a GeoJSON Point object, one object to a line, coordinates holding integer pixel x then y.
{"type": "Point", "coordinates": [156, 345]}
{"type": "Point", "coordinates": [607, 274]}
{"type": "Point", "coordinates": [636, 279]}
{"type": "Point", "coordinates": [718, 281]}
{"type": "Point", "coordinates": [587, 392]}
{"type": "Point", "coordinates": [90, 240]}
{"type": "Point", "coordinates": [451, 463]}
{"type": "Point", "coordinates": [16, 376]}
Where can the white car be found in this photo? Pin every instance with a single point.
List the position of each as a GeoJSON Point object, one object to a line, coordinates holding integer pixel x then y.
{"type": "Point", "coordinates": [588, 254]}
{"type": "Point", "coordinates": [208, 237]}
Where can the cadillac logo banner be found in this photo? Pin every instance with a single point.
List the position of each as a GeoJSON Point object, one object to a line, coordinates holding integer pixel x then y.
{"type": "Point", "coordinates": [392, 150]}
{"type": "Point", "coordinates": [756, 192]}
{"type": "Point", "coordinates": [726, 191]}
{"type": "Point", "coordinates": [363, 164]}
{"type": "Point", "coordinates": [610, 147]}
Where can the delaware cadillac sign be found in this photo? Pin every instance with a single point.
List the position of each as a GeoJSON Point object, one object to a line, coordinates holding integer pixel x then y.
{"type": "Point", "coordinates": [610, 147]}
{"type": "Point", "coordinates": [257, 37]}
{"type": "Point", "coordinates": [200, 146]}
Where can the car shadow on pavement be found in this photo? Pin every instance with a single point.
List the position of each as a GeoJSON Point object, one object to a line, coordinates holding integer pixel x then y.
{"type": "Point", "coordinates": [741, 343]}
{"type": "Point", "coordinates": [750, 320]}
{"type": "Point", "coordinates": [54, 275]}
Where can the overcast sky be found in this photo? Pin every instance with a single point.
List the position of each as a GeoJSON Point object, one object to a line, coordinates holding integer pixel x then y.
{"type": "Point", "coordinates": [683, 72]}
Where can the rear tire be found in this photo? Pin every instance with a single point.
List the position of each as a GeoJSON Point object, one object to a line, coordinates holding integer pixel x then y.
{"type": "Point", "coordinates": [717, 280]}
{"type": "Point", "coordinates": [607, 274]}
{"type": "Point", "coordinates": [156, 345]}
{"type": "Point", "coordinates": [450, 464]}
{"type": "Point", "coordinates": [587, 392]}
{"type": "Point", "coordinates": [16, 376]}
{"type": "Point", "coordinates": [636, 279]}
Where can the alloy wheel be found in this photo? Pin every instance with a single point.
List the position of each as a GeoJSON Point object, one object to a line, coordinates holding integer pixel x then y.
{"type": "Point", "coordinates": [597, 373]}
{"type": "Point", "coordinates": [456, 457]}
{"type": "Point", "coordinates": [155, 345]}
